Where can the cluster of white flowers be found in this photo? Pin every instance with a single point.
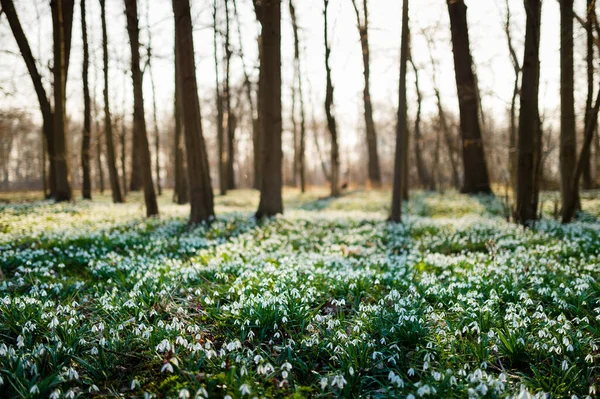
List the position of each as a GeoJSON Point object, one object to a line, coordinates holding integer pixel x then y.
{"type": "Point", "coordinates": [339, 301]}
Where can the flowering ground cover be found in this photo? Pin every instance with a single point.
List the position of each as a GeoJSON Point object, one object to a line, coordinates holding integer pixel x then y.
{"type": "Point", "coordinates": [327, 301]}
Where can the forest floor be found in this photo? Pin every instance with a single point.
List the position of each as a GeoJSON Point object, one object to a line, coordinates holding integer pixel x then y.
{"type": "Point", "coordinates": [326, 301]}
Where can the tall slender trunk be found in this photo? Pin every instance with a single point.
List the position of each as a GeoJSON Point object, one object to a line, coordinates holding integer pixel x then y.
{"type": "Point", "coordinates": [475, 168]}
{"type": "Point", "coordinates": [587, 182]}
{"type": "Point", "coordinates": [201, 195]}
{"type": "Point", "coordinates": [402, 126]}
{"type": "Point", "coordinates": [181, 186]}
{"type": "Point", "coordinates": [443, 121]}
{"type": "Point", "coordinates": [568, 136]}
{"type": "Point", "coordinates": [44, 103]}
{"type": "Point", "coordinates": [249, 89]}
{"type": "Point", "coordinates": [268, 13]}
{"type": "Point", "coordinates": [529, 126]}
{"type": "Point", "coordinates": [113, 174]}
{"type": "Point", "coordinates": [300, 158]}
{"type": "Point", "coordinates": [61, 159]}
{"type": "Point", "coordinates": [154, 108]}
{"type": "Point", "coordinates": [139, 120]}
{"type": "Point", "coordinates": [371, 134]}
{"type": "Point", "coordinates": [86, 188]}
{"type": "Point", "coordinates": [231, 119]}
{"type": "Point", "coordinates": [570, 207]}
{"type": "Point", "coordinates": [123, 138]}
{"type": "Point", "coordinates": [512, 134]}
{"type": "Point", "coordinates": [424, 177]}
{"type": "Point", "coordinates": [331, 122]}
{"type": "Point", "coordinates": [220, 111]}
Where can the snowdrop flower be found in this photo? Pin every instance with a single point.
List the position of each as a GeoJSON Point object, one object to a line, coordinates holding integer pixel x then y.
{"type": "Point", "coordinates": [134, 384]}
{"type": "Point", "coordinates": [55, 394]}
{"type": "Point", "coordinates": [338, 380]}
{"type": "Point", "coordinates": [34, 390]}
{"type": "Point", "coordinates": [167, 367]}
{"type": "Point", "coordinates": [184, 394]}
{"type": "Point", "coordinates": [244, 389]}
{"type": "Point", "coordinates": [411, 372]}
{"type": "Point", "coordinates": [324, 382]}
{"type": "Point", "coordinates": [565, 365]}
{"type": "Point", "coordinates": [72, 373]}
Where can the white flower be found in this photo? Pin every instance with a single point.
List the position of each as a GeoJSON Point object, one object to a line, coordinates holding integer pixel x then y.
{"type": "Point", "coordinates": [184, 394]}
{"type": "Point", "coordinates": [565, 365]}
{"type": "Point", "coordinates": [167, 367]}
{"type": "Point", "coordinates": [72, 373]}
{"type": "Point", "coordinates": [411, 372]}
{"type": "Point", "coordinates": [70, 394]}
{"type": "Point", "coordinates": [338, 380]}
{"type": "Point", "coordinates": [245, 389]}
{"type": "Point", "coordinates": [34, 390]}
{"type": "Point", "coordinates": [134, 384]}
{"type": "Point", "coordinates": [324, 382]}
{"type": "Point", "coordinates": [55, 394]}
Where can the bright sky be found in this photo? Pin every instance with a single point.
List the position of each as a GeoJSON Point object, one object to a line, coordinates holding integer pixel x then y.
{"type": "Point", "coordinates": [488, 44]}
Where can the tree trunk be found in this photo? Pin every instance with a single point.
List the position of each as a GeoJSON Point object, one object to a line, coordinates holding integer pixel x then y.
{"type": "Point", "coordinates": [302, 145]}
{"type": "Point", "coordinates": [529, 127]}
{"type": "Point", "coordinates": [231, 119]}
{"type": "Point", "coordinates": [44, 103]}
{"type": "Point", "coordinates": [568, 137]}
{"type": "Point", "coordinates": [371, 134]}
{"type": "Point", "coordinates": [444, 127]}
{"type": "Point", "coordinates": [249, 90]}
{"type": "Point", "coordinates": [113, 174]}
{"type": "Point", "coordinates": [402, 126]}
{"type": "Point", "coordinates": [331, 122]}
{"type": "Point", "coordinates": [268, 13]}
{"type": "Point", "coordinates": [139, 120]}
{"type": "Point", "coordinates": [424, 177]}
{"type": "Point", "coordinates": [512, 134]}
{"type": "Point", "coordinates": [86, 188]}
{"type": "Point", "coordinates": [220, 111]}
{"type": "Point", "coordinates": [62, 174]}
{"type": "Point", "coordinates": [587, 182]}
{"type": "Point", "coordinates": [475, 168]}
{"type": "Point", "coordinates": [570, 207]}
{"type": "Point", "coordinates": [181, 186]}
{"type": "Point", "coordinates": [201, 194]}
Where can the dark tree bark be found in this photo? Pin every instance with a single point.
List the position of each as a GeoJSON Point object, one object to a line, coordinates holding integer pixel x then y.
{"type": "Point", "coordinates": [300, 158]}
{"type": "Point", "coordinates": [139, 120]}
{"type": "Point", "coordinates": [181, 186]}
{"type": "Point", "coordinates": [475, 168]}
{"type": "Point", "coordinates": [402, 126]}
{"type": "Point", "coordinates": [373, 155]}
{"type": "Point", "coordinates": [86, 188]}
{"type": "Point", "coordinates": [149, 55]}
{"type": "Point", "coordinates": [220, 111]}
{"type": "Point", "coordinates": [568, 136]}
{"type": "Point", "coordinates": [45, 107]}
{"type": "Point", "coordinates": [331, 122]}
{"type": "Point", "coordinates": [424, 177]}
{"type": "Point", "coordinates": [231, 118]}
{"type": "Point", "coordinates": [512, 135]}
{"type": "Point", "coordinates": [249, 90]}
{"type": "Point", "coordinates": [61, 159]}
{"type": "Point", "coordinates": [443, 121]}
{"type": "Point", "coordinates": [587, 182]}
{"type": "Point", "coordinates": [268, 13]}
{"type": "Point", "coordinates": [570, 207]}
{"type": "Point", "coordinates": [201, 194]}
{"type": "Point", "coordinates": [135, 181]}
{"type": "Point", "coordinates": [113, 174]}
{"type": "Point", "coordinates": [529, 126]}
